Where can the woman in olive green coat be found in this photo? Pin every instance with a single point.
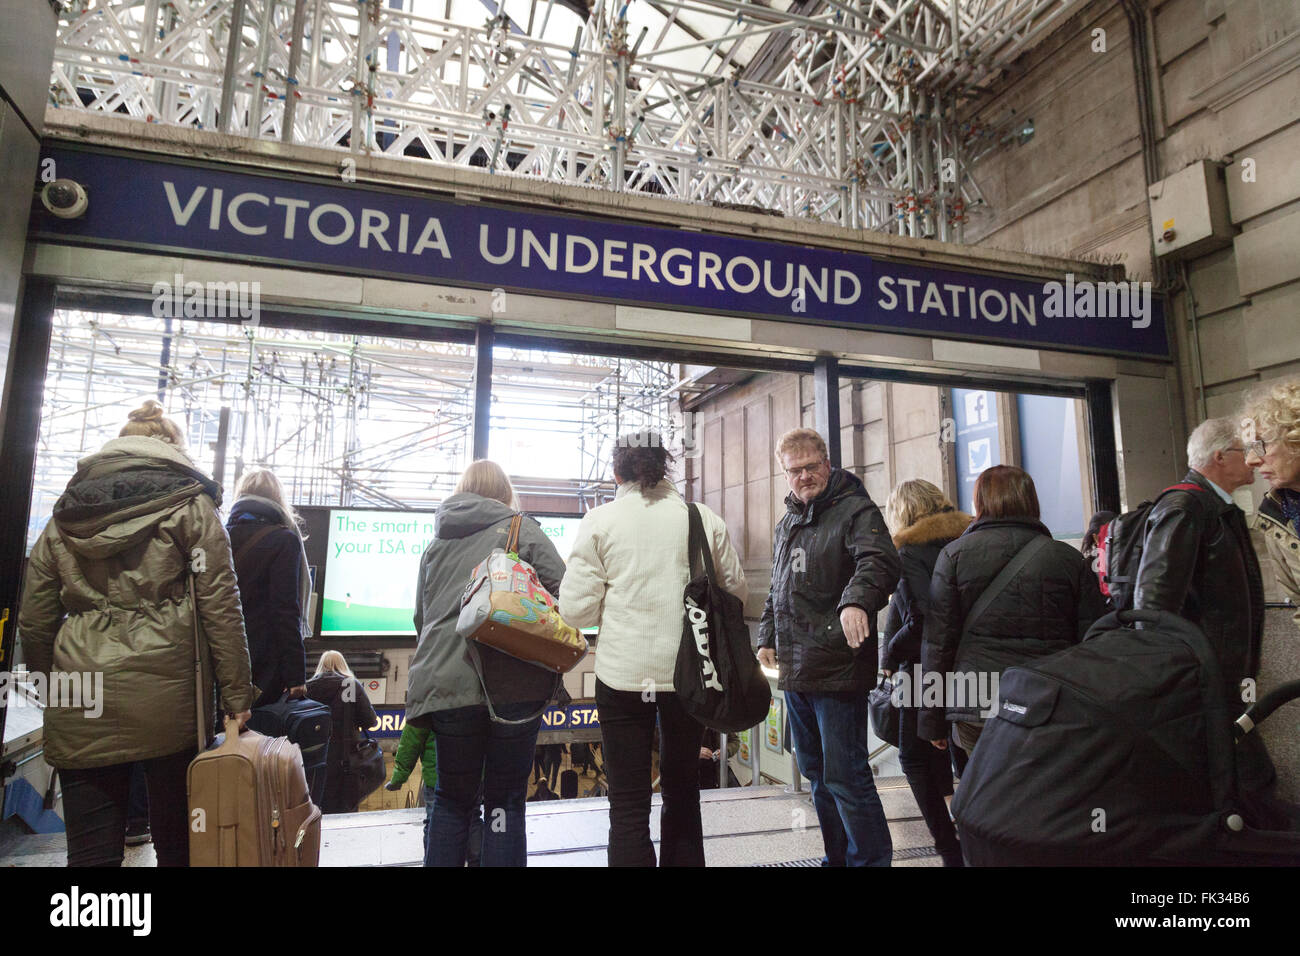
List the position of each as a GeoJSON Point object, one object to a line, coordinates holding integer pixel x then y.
{"type": "Point", "coordinates": [107, 623]}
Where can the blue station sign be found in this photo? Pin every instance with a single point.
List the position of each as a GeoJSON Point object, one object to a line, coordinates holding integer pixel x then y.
{"type": "Point", "coordinates": [255, 217]}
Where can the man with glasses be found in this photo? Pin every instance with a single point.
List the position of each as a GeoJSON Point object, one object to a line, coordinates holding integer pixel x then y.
{"type": "Point", "coordinates": [1198, 562]}
{"type": "Point", "coordinates": [833, 569]}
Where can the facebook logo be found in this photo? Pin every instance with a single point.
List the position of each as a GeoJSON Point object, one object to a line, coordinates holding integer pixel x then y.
{"type": "Point", "coordinates": [977, 408]}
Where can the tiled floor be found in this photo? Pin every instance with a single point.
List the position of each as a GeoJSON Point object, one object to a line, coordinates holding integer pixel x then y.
{"type": "Point", "coordinates": [742, 827]}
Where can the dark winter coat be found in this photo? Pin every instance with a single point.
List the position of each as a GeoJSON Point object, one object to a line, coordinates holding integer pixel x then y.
{"type": "Point", "coordinates": [1046, 608]}
{"type": "Point", "coordinates": [828, 554]}
{"type": "Point", "coordinates": [350, 714]}
{"type": "Point", "coordinates": [466, 530]}
{"type": "Point", "coordinates": [918, 546]}
{"type": "Point", "coordinates": [1198, 562]}
{"type": "Point", "coordinates": [107, 592]}
{"type": "Point", "coordinates": [269, 586]}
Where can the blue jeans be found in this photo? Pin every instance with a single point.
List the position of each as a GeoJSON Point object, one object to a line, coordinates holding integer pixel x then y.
{"type": "Point", "coordinates": [476, 752]}
{"type": "Point", "coordinates": [829, 732]}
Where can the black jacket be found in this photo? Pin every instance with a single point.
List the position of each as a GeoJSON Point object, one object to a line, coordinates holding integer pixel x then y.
{"type": "Point", "coordinates": [269, 581]}
{"type": "Point", "coordinates": [1198, 562]}
{"type": "Point", "coordinates": [1046, 608]}
{"type": "Point", "coordinates": [348, 718]}
{"type": "Point", "coordinates": [918, 546]}
{"type": "Point", "coordinates": [830, 554]}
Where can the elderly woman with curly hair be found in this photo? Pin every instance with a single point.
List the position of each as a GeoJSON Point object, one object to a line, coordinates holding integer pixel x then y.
{"type": "Point", "coordinates": [1271, 430]}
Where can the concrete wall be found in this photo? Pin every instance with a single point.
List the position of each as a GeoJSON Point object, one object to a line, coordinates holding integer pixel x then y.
{"type": "Point", "coordinates": [1226, 78]}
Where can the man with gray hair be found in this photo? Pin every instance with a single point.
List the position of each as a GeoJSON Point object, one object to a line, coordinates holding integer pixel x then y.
{"type": "Point", "coordinates": [1198, 562]}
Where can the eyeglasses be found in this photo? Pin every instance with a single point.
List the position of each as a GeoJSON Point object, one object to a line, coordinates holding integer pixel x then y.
{"type": "Point", "coordinates": [1257, 448]}
{"type": "Point", "coordinates": [794, 473]}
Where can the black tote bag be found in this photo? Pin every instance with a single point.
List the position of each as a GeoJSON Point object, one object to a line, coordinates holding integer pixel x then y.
{"type": "Point", "coordinates": [882, 712]}
{"type": "Point", "coordinates": [717, 677]}
{"type": "Point", "coordinates": [363, 768]}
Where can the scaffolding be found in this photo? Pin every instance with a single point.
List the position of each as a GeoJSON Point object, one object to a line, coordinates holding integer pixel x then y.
{"type": "Point", "coordinates": [855, 113]}
{"type": "Point", "coordinates": [343, 420]}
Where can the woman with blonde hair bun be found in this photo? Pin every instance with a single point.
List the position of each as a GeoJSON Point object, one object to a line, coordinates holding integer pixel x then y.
{"type": "Point", "coordinates": [108, 593]}
{"type": "Point", "coordinates": [923, 522]}
{"type": "Point", "coordinates": [1271, 433]}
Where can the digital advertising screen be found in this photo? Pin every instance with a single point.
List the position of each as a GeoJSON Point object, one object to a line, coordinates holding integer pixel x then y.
{"type": "Point", "coordinates": [372, 560]}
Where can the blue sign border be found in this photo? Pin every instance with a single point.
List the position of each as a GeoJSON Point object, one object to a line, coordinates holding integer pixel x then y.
{"type": "Point", "coordinates": [212, 210]}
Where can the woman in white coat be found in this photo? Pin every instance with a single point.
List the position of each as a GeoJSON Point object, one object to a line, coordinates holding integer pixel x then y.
{"type": "Point", "coordinates": [626, 574]}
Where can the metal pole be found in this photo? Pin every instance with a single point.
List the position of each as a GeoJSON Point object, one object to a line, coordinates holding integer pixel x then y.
{"type": "Point", "coordinates": [258, 102]}
{"type": "Point", "coordinates": [483, 338]}
{"type": "Point", "coordinates": [826, 392]}
{"type": "Point", "coordinates": [232, 57]}
{"type": "Point", "coordinates": [291, 80]}
{"type": "Point", "coordinates": [223, 438]}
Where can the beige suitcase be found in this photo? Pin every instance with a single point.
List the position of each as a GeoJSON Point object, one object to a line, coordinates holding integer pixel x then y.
{"type": "Point", "coordinates": [250, 804]}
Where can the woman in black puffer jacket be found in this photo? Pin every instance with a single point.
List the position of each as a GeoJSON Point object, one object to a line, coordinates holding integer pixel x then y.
{"type": "Point", "coordinates": [1046, 607]}
{"type": "Point", "coordinates": [924, 522]}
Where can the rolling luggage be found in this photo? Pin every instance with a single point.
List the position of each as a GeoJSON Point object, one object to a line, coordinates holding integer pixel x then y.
{"type": "Point", "coordinates": [306, 723]}
{"type": "Point", "coordinates": [249, 804]}
{"type": "Point", "coordinates": [248, 797]}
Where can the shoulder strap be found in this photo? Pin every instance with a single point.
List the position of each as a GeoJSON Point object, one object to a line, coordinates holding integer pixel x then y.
{"type": "Point", "coordinates": [255, 537]}
{"type": "Point", "coordinates": [198, 670]}
{"type": "Point", "coordinates": [1005, 576]}
{"type": "Point", "coordinates": [512, 540]}
{"type": "Point", "coordinates": [696, 545]}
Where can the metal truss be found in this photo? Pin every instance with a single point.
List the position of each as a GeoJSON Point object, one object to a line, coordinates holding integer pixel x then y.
{"type": "Point", "coordinates": [844, 112]}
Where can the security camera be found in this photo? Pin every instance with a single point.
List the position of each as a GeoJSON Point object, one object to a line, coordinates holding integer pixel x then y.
{"type": "Point", "coordinates": [65, 198]}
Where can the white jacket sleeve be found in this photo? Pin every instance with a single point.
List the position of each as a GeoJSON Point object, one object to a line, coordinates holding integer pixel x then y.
{"type": "Point", "coordinates": [726, 562]}
{"type": "Point", "coordinates": [582, 592]}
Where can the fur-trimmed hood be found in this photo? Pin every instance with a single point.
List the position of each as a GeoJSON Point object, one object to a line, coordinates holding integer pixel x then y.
{"type": "Point", "coordinates": [942, 526]}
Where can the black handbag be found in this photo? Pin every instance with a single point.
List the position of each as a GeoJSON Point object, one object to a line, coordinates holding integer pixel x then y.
{"type": "Point", "coordinates": [363, 764]}
{"type": "Point", "coordinates": [883, 713]}
{"type": "Point", "coordinates": [717, 677]}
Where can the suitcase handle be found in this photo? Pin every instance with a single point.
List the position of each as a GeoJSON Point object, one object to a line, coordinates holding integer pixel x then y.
{"type": "Point", "coordinates": [232, 733]}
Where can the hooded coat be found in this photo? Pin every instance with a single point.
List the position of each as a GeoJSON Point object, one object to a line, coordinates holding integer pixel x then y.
{"type": "Point", "coordinates": [828, 554]}
{"type": "Point", "coordinates": [106, 593]}
{"type": "Point", "coordinates": [467, 528]}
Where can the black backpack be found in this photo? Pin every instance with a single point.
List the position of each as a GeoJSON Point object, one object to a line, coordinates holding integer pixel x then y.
{"type": "Point", "coordinates": [717, 678]}
{"type": "Point", "coordinates": [1120, 554]}
{"type": "Point", "coordinates": [1117, 751]}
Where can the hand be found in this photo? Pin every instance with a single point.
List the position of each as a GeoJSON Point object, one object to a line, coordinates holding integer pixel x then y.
{"type": "Point", "coordinates": [297, 693]}
{"type": "Point", "coordinates": [706, 753]}
{"type": "Point", "coordinates": [886, 672]}
{"type": "Point", "coordinates": [243, 717]}
{"type": "Point", "coordinates": [940, 744]}
{"type": "Point", "coordinates": [767, 657]}
{"type": "Point", "coordinates": [856, 625]}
